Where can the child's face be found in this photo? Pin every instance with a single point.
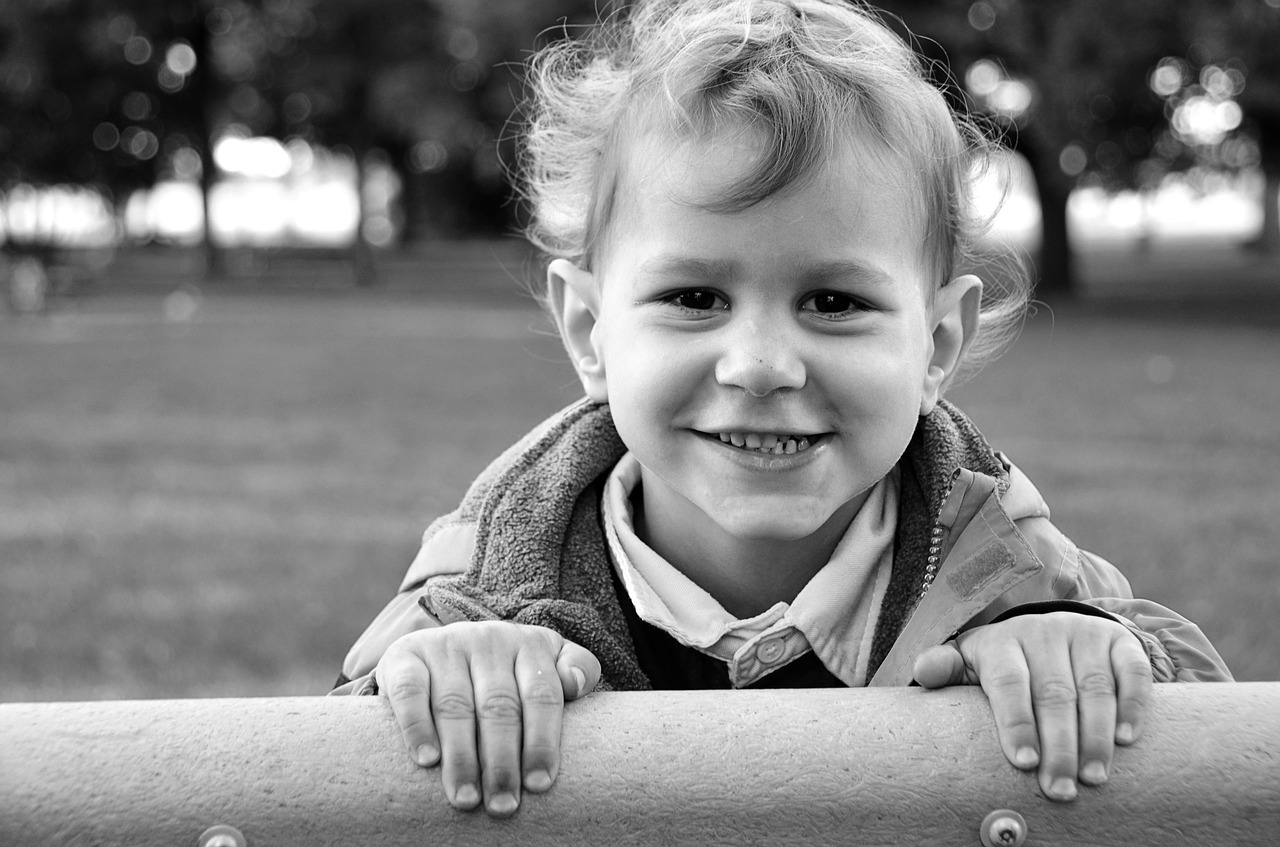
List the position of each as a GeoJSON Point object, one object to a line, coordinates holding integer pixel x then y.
{"type": "Point", "coordinates": [803, 321]}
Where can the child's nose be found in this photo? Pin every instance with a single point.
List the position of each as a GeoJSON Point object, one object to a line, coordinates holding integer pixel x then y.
{"type": "Point", "coordinates": [760, 360]}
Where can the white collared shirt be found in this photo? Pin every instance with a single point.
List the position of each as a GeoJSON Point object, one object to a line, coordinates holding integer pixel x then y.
{"type": "Point", "coordinates": [834, 614]}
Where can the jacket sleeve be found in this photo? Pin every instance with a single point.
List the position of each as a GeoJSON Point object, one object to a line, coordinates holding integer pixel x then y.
{"type": "Point", "coordinates": [1086, 583]}
{"type": "Point", "coordinates": [400, 617]}
{"type": "Point", "coordinates": [1079, 580]}
{"type": "Point", "coordinates": [446, 549]}
{"type": "Point", "coordinates": [1178, 650]}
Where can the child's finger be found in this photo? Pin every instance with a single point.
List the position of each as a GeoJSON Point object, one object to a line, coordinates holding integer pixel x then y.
{"type": "Point", "coordinates": [1002, 671]}
{"type": "Point", "coordinates": [454, 709]}
{"type": "Point", "coordinates": [542, 695]}
{"type": "Point", "coordinates": [1134, 683]}
{"type": "Point", "coordinates": [406, 680]}
{"type": "Point", "coordinates": [500, 718]}
{"type": "Point", "coordinates": [1096, 703]}
{"type": "Point", "coordinates": [579, 670]}
{"type": "Point", "coordinates": [941, 666]}
{"type": "Point", "coordinates": [1054, 701]}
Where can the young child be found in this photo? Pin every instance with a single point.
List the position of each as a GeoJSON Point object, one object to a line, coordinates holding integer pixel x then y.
{"type": "Point", "coordinates": [756, 213]}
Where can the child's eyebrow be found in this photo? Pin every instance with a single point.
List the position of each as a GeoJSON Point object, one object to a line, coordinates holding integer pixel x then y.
{"type": "Point", "coordinates": [718, 270]}
{"type": "Point", "coordinates": [846, 271]}
{"type": "Point", "coordinates": [686, 267]}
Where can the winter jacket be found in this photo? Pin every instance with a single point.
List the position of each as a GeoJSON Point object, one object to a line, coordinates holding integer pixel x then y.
{"type": "Point", "coordinates": [974, 544]}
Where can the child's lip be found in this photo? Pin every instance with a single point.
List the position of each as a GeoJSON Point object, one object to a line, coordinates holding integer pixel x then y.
{"type": "Point", "coordinates": [758, 460]}
{"type": "Point", "coordinates": [761, 431]}
{"type": "Point", "coordinates": [807, 442]}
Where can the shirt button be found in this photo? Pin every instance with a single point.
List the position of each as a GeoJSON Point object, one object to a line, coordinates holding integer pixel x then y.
{"type": "Point", "coordinates": [770, 650]}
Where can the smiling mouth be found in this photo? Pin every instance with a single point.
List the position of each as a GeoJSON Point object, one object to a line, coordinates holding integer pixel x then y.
{"type": "Point", "coordinates": [773, 444]}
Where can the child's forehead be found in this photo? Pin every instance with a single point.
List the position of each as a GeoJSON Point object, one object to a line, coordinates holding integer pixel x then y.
{"type": "Point", "coordinates": [850, 214]}
{"type": "Point", "coordinates": [721, 169]}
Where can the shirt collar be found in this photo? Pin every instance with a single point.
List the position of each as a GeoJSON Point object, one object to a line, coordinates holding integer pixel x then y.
{"type": "Point", "coordinates": [834, 614]}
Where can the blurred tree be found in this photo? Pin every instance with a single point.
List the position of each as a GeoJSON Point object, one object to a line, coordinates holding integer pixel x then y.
{"type": "Point", "coordinates": [1068, 81]}
{"type": "Point", "coordinates": [347, 73]}
{"type": "Point", "coordinates": [107, 93]}
{"type": "Point", "coordinates": [62, 101]}
{"type": "Point", "coordinates": [424, 86]}
{"type": "Point", "coordinates": [1241, 41]}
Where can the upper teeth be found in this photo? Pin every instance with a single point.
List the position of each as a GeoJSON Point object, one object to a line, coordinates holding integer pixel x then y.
{"type": "Point", "coordinates": [770, 443]}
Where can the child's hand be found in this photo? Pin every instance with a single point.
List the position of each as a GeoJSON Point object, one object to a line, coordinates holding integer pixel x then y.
{"type": "Point", "coordinates": [1064, 688]}
{"type": "Point", "coordinates": [510, 679]}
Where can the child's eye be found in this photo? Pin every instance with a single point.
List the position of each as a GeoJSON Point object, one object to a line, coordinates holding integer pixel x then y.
{"type": "Point", "coordinates": [831, 304]}
{"type": "Point", "coordinates": [698, 300]}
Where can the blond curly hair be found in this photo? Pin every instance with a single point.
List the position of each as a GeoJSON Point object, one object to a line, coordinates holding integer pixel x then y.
{"type": "Point", "coordinates": [807, 75]}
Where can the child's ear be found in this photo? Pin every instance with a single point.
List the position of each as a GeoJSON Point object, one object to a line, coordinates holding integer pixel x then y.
{"type": "Point", "coordinates": [574, 296]}
{"type": "Point", "coordinates": [956, 306]}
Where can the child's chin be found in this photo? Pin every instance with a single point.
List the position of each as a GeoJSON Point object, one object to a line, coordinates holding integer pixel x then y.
{"type": "Point", "coordinates": [770, 526]}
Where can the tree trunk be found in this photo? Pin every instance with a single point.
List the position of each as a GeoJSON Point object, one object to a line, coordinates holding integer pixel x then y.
{"type": "Point", "coordinates": [414, 202]}
{"type": "Point", "coordinates": [204, 91]}
{"type": "Point", "coordinates": [215, 266]}
{"type": "Point", "coordinates": [1054, 267]}
{"type": "Point", "coordinates": [1268, 238]}
{"type": "Point", "coordinates": [361, 253]}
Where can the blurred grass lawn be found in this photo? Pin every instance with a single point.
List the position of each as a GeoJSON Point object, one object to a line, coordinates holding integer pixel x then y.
{"type": "Point", "coordinates": [218, 506]}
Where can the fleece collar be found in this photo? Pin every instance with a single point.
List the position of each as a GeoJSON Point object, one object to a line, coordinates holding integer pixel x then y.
{"type": "Point", "coordinates": [541, 556]}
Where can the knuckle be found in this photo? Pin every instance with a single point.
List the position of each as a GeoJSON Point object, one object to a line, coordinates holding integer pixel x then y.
{"type": "Point", "coordinates": [1056, 692]}
{"type": "Point", "coordinates": [500, 707]}
{"type": "Point", "coordinates": [466, 636]}
{"type": "Point", "coordinates": [414, 646]}
{"type": "Point", "coordinates": [545, 692]}
{"type": "Point", "coordinates": [453, 705]}
{"type": "Point", "coordinates": [1096, 684]}
{"type": "Point", "coordinates": [401, 688]}
{"type": "Point", "coordinates": [491, 632]}
{"type": "Point", "coordinates": [488, 638]}
{"type": "Point", "coordinates": [1006, 681]}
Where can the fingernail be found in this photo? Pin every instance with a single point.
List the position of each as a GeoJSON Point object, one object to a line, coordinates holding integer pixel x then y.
{"type": "Point", "coordinates": [427, 755]}
{"type": "Point", "coordinates": [503, 804]}
{"type": "Point", "coordinates": [538, 780]}
{"type": "Point", "coordinates": [1094, 773]}
{"type": "Point", "coordinates": [579, 678]}
{"type": "Point", "coordinates": [466, 796]}
{"type": "Point", "coordinates": [1124, 733]}
{"type": "Point", "coordinates": [1063, 788]}
{"type": "Point", "coordinates": [1026, 757]}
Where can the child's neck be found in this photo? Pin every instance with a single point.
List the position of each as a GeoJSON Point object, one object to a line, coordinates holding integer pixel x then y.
{"type": "Point", "coordinates": [745, 575]}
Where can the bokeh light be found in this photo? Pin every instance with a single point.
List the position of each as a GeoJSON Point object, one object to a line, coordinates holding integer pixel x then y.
{"type": "Point", "coordinates": [1206, 120]}
{"type": "Point", "coordinates": [252, 157]}
{"type": "Point", "coordinates": [996, 91]}
{"type": "Point", "coordinates": [982, 16]}
{"type": "Point", "coordinates": [1073, 159]}
{"type": "Point", "coordinates": [180, 58]}
{"type": "Point", "coordinates": [137, 50]}
{"type": "Point", "coordinates": [1169, 77]}
{"type": "Point", "coordinates": [1202, 109]}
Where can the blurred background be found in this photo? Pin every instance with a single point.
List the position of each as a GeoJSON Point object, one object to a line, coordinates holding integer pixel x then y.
{"type": "Point", "coordinates": [265, 315]}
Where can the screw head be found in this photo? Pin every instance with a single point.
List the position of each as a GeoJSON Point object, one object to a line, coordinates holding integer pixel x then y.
{"type": "Point", "coordinates": [1003, 828]}
{"type": "Point", "coordinates": [222, 835]}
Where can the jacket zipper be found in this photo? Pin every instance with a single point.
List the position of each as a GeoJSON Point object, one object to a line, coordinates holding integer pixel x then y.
{"type": "Point", "coordinates": [936, 536]}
